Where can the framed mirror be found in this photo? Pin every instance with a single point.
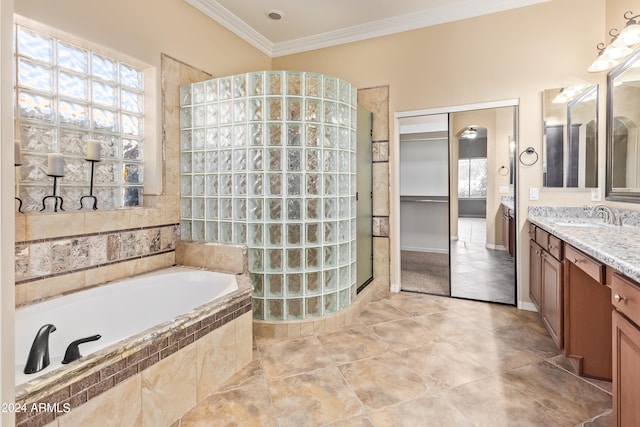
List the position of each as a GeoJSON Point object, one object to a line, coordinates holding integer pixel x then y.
{"type": "Point", "coordinates": [623, 119]}
{"type": "Point", "coordinates": [570, 144]}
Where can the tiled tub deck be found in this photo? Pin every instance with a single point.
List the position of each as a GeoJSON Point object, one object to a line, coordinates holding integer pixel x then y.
{"type": "Point", "coordinates": [151, 378]}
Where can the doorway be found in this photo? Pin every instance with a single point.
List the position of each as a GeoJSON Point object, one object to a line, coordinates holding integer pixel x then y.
{"type": "Point", "coordinates": [480, 181]}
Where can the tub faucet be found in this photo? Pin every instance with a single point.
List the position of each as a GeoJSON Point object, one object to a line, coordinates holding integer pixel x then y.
{"type": "Point", "coordinates": [39, 354]}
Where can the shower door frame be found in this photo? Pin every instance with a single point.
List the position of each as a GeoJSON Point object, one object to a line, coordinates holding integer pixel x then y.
{"type": "Point", "coordinates": [395, 181]}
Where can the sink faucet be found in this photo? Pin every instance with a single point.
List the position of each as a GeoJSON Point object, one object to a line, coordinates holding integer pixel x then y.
{"type": "Point", "coordinates": [610, 216]}
{"type": "Point", "coordinates": [39, 354]}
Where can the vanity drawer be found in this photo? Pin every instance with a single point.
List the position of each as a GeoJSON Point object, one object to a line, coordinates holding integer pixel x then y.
{"type": "Point", "coordinates": [555, 247]}
{"type": "Point", "coordinates": [585, 263]}
{"type": "Point", "coordinates": [542, 238]}
{"type": "Point", "coordinates": [625, 297]}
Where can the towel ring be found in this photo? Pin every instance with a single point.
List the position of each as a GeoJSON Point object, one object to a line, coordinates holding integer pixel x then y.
{"type": "Point", "coordinates": [503, 171]}
{"type": "Point", "coordinates": [529, 152]}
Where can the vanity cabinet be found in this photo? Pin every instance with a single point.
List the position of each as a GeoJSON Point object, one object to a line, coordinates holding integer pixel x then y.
{"type": "Point", "coordinates": [546, 281]}
{"type": "Point", "coordinates": [626, 350]}
{"type": "Point", "coordinates": [508, 230]}
{"type": "Point", "coordinates": [587, 315]}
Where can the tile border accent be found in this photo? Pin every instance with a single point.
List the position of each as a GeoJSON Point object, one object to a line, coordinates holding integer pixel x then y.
{"type": "Point", "coordinates": [97, 382]}
{"type": "Point", "coordinates": [27, 256]}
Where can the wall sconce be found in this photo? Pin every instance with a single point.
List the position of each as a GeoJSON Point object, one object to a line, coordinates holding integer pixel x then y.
{"type": "Point", "coordinates": [469, 133]}
{"type": "Point", "coordinates": [619, 46]}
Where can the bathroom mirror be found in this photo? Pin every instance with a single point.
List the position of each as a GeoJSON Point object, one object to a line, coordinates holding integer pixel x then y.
{"type": "Point", "coordinates": [570, 137]}
{"type": "Point", "coordinates": [623, 116]}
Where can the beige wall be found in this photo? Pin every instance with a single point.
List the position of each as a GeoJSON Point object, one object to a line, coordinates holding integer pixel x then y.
{"type": "Point", "coordinates": [514, 54]}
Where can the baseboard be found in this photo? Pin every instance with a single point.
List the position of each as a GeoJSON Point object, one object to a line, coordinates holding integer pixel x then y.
{"type": "Point", "coordinates": [429, 250]}
{"type": "Point", "coordinates": [525, 305]}
{"type": "Point", "coordinates": [495, 247]}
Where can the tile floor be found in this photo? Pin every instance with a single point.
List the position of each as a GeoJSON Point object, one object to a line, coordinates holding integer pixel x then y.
{"type": "Point", "coordinates": [477, 272]}
{"type": "Point", "coordinates": [411, 360]}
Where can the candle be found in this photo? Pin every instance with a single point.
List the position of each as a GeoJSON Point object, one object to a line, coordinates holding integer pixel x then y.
{"type": "Point", "coordinates": [93, 150]}
{"type": "Point", "coordinates": [55, 164]}
{"type": "Point", "coordinates": [17, 152]}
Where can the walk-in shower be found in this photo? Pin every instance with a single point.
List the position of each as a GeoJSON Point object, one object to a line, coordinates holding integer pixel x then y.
{"type": "Point", "coordinates": [268, 160]}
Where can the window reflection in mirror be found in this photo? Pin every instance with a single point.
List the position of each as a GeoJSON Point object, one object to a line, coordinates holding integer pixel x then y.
{"type": "Point", "coordinates": [570, 144]}
{"type": "Point", "coordinates": [623, 116]}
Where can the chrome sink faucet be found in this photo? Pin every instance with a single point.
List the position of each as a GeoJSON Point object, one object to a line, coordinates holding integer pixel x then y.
{"type": "Point", "coordinates": [608, 214]}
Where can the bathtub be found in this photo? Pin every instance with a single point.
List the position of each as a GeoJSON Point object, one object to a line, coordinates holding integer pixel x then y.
{"type": "Point", "coordinates": [176, 306]}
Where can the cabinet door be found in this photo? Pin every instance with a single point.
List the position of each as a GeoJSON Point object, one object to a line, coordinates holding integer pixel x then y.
{"type": "Point", "coordinates": [552, 308]}
{"type": "Point", "coordinates": [626, 375]}
{"type": "Point", "coordinates": [535, 278]}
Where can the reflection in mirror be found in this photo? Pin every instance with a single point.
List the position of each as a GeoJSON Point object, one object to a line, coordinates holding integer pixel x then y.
{"type": "Point", "coordinates": [623, 116]}
{"type": "Point", "coordinates": [570, 143]}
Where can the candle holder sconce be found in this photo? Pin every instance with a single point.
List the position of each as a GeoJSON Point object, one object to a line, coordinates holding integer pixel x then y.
{"type": "Point", "coordinates": [90, 196]}
{"type": "Point", "coordinates": [18, 198]}
{"type": "Point", "coordinates": [54, 195]}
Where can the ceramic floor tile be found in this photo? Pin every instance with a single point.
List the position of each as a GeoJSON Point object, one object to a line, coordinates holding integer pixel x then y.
{"type": "Point", "coordinates": [439, 368]}
{"type": "Point", "coordinates": [571, 396]}
{"type": "Point", "coordinates": [313, 398]}
{"type": "Point", "coordinates": [443, 362]}
{"type": "Point", "coordinates": [383, 380]}
{"type": "Point", "coordinates": [434, 411]}
{"type": "Point", "coordinates": [359, 421]}
{"type": "Point", "coordinates": [352, 344]}
{"type": "Point", "coordinates": [415, 304]}
{"type": "Point", "coordinates": [490, 402]}
{"type": "Point", "coordinates": [247, 406]}
{"type": "Point", "coordinates": [381, 311]}
{"type": "Point", "coordinates": [449, 325]}
{"type": "Point", "coordinates": [290, 357]}
{"type": "Point", "coordinates": [404, 333]}
{"type": "Point", "coordinates": [493, 352]}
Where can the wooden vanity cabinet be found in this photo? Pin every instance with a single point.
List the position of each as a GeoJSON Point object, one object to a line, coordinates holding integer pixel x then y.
{"type": "Point", "coordinates": [508, 230]}
{"type": "Point", "coordinates": [626, 350]}
{"type": "Point", "coordinates": [546, 281]}
{"type": "Point", "coordinates": [587, 315]}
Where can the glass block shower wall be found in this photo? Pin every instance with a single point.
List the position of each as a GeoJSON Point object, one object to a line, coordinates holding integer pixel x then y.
{"type": "Point", "coordinates": [268, 160]}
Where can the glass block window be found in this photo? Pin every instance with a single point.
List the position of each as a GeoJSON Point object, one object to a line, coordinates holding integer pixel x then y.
{"type": "Point", "coordinates": [67, 95]}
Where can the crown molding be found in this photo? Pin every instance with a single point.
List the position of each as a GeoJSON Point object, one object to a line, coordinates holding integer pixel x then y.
{"type": "Point", "coordinates": [434, 16]}
{"type": "Point", "coordinates": [231, 22]}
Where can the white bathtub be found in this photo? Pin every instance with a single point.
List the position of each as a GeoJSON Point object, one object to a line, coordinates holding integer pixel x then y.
{"type": "Point", "coordinates": [116, 311]}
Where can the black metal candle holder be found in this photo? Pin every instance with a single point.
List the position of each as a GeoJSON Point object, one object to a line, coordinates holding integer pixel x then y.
{"type": "Point", "coordinates": [91, 196]}
{"type": "Point", "coordinates": [54, 195]}
{"type": "Point", "coordinates": [18, 198]}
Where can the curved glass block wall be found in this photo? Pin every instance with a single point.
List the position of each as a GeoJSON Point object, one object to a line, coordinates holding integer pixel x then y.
{"type": "Point", "coordinates": [268, 160]}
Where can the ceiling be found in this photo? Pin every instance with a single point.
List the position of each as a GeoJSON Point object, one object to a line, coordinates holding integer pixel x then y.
{"type": "Point", "coordinates": [307, 25]}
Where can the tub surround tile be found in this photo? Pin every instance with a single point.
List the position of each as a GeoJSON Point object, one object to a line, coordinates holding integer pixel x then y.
{"type": "Point", "coordinates": [380, 178]}
{"type": "Point", "coordinates": [50, 225]}
{"type": "Point", "coordinates": [143, 352]}
{"type": "Point", "coordinates": [107, 221]}
{"type": "Point", "coordinates": [52, 286]}
{"type": "Point", "coordinates": [118, 407]}
{"type": "Point", "coordinates": [380, 152]}
{"type": "Point", "coordinates": [40, 259]}
{"type": "Point", "coordinates": [244, 340]}
{"type": "Point", "coordinates": [22, 261]}
{"type": "Point", "coordinates": [20, 227]}
{"type": "Point", "coordinates": [169, 388]}
{"type": "Point", "coordinates": [60, 255]}
{"type": "Point", "coordinates": [215, 359]}
{"type": "Point", "coordinates": [376, 100]}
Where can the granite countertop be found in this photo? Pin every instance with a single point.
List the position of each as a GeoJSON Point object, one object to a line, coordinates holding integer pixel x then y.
{"type": "Point", "coordinates": [616, 246]}
{"type": "Point", "coordinates": [507, 201]}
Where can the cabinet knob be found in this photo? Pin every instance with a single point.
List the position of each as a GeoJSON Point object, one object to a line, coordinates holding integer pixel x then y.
{"type": "Point", "coordinates": [619, 298]}
{"type": "Point", "coordinates": [576, 260]}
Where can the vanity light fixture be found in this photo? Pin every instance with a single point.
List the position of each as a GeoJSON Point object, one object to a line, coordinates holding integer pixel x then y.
{"type": "Point", "coordinates": [568, 93]}
{"type": "Point", "coordinates": [469, 133]}
{"type": "Point", "coordinates": [630, 34]}
{"type": "Point", "coordinates": [619, 47]}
